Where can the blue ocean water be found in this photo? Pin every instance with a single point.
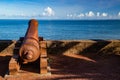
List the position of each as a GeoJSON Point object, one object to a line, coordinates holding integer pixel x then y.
{"type": "Point", "coordinates": [63, 29]}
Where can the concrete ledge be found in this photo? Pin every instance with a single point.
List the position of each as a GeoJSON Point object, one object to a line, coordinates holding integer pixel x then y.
{"type": "Point", "coordinates": [84, 46]}
{"type": "Point", "coordinates": [70, 46]}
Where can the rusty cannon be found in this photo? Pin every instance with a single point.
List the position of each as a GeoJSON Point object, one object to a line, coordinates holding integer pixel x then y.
{"type": "Point", "coordinates": [32, 50]}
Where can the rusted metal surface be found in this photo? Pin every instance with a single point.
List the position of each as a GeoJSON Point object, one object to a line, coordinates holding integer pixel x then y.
{"type": "Point", "coordinates": [29, 51]}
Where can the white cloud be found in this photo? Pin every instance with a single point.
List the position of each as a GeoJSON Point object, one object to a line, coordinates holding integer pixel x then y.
{"type": "Point", "coordinates": [93, 15]}
{"type": "Point", "coordinates": [21, 15]}
{"type": "Point", "coordinates": [15, 15]}
{"type": "Point", "coordinates": [104, 14]}
{"type": "Point", "coordinates": [98, 14]}
{"type": "Point", "coordinates": [81, 15]}
{"type": "Point", "coordinates": [69, 15]}
{"type": "Point", "coordinates": [119, 14]}
{"type": "Point", "coordinates": [90, 14]}
{"type": "Point", "coordinates": [48, 12]}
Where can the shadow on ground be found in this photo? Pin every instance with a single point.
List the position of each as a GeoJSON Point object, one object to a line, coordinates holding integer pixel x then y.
{"type": "Point", "coordinates": [64, 67]}
{"type": "Point", "coordinates": [4, 57]}
{"type": "Point", "coordinates": [86, 64]}
{"type": "Point", "coordinates": [4, 44]}
{"type": "Point", "coordinates": [4, 64]}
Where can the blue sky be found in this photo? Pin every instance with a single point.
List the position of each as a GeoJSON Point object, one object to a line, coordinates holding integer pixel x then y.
{"type": "Point", "coordinates": [60, 9]}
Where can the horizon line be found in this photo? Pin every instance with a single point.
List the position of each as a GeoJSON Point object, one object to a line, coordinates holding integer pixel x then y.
{"type": "Point", "coordinates": [52, 19]}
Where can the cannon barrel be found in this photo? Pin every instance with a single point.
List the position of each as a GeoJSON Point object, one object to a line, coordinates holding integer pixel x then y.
{"type": "Point", "coordinates": [29, 50]}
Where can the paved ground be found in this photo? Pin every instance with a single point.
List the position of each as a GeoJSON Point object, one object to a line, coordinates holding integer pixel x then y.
{"type": "Point", "coordinates": [85, 67]}
{"type": "Point", "coordinates": [70, 66]}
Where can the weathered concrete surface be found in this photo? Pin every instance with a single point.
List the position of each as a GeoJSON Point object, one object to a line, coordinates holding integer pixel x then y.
{"type": "Point", "coordinates": [7, 46]}
{"type": "Point", "coordinates": [70, 46]}
{"type": "Point", "coordinates": [84, 46]}
{"type": "Point", "coordinates": [79, 59]}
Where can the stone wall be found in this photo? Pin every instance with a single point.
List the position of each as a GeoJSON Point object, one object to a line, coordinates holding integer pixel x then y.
{"type": "Point", "coordinates": [70, 46]}
{"type": "Point", "coordinates": [84, 46]}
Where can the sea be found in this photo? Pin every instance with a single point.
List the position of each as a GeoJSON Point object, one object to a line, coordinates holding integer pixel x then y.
{"type": "Point", "coordinates": [13, 29]}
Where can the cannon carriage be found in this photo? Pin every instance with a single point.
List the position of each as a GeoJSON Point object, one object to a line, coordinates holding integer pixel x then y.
{"type": "Point", "coordinates": [32, 49]}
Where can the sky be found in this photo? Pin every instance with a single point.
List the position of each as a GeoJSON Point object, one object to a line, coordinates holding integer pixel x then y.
{"type": "Point", "coordinates": [60, 9]}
